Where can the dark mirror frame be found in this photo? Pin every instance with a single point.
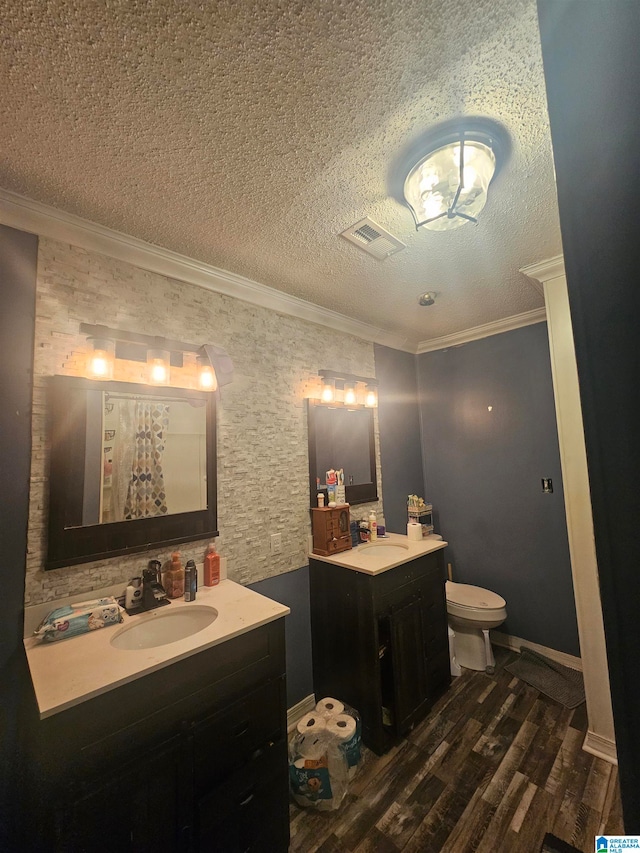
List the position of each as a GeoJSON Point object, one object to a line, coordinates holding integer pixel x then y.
{"type": "Point", "coordinates": [70, 546]}
{"type": "Point", "coordinates": [357, 494]}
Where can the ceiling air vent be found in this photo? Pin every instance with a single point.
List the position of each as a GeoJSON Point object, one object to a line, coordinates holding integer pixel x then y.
{"type": "Point", "coordinates": [373, 239]}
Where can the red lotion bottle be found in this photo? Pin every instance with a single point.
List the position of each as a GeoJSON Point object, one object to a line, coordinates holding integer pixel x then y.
{"type": "Point", "coordinates": [211, 566]}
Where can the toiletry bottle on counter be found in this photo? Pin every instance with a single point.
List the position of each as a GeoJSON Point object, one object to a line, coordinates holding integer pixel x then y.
{"type": "Point", "coordinates": [190, 581]}
{"type": "Point", "coordinates": [373, 525]}
{"type": "Point", "coordinates": [211, 566]}
{"type": "Point", "coordinates": [174, 577]}
{"type": "Point", "coordinates": [133, 594]}
{"type": "Point", "coordinates": [382, 526]}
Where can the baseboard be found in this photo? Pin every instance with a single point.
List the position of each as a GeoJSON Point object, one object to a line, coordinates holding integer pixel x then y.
{"type": "Point", "coordinates": [600, 746]}
{"type": "Point", "coordinates": [297, 712]}
{"type": "Point", "coordinates": [516, 643]}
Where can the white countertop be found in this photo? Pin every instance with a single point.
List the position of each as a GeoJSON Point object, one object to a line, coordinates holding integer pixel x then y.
{"type": "Point", "coordinates": [67, 672]}
{"type": "Point", "coordinates": [379, 556]}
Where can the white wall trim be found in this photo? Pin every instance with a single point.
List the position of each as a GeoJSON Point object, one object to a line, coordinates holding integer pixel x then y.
{"type": "Point", "coordinates": [297, 712]}
{"type": "Point", "coordinates": [577, 499]}
{"type": "Point", "coordinates": [35, 217]}
{"type": "Point", "coordinates": [507, 641]}
{"type": "Point", "coordinates": [528, 318]}
{"type": "Point", "coordinates": [600, 746]}
{"type": "Point", "coordinates": [544, 271]}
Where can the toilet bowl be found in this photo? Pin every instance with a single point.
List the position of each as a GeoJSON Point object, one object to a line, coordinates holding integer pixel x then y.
{"type": "Point", "coordinates": [472, 612]}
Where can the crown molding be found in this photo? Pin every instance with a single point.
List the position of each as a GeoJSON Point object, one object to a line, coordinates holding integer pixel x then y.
{"type": "Point", "coordinates": [44, 220]}
{"type": "Point", "coordinates": [528, 318]}
{"type": "Point", "coordinates": [544, 271]}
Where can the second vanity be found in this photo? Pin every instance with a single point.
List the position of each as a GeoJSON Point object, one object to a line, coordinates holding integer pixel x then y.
{"type": "Point", "coordinates": [379, 631]}
{"type": "Point", "coordinates": [174, 747]}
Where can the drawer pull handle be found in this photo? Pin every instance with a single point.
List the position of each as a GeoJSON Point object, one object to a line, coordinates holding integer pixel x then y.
{"type": "Point", "coordinates": [241, 729]}
{"type": "Point", "coordinates": [247, 799]}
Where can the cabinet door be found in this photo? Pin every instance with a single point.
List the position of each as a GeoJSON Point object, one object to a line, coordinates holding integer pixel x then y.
{"type": "Point", "coordinates": [249, 811]}
{"type": "Point", "coordinates": [404, 629]}
{"type": "Point", "coordinates": [142, 807]}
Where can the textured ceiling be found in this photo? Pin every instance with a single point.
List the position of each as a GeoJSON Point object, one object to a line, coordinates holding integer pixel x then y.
{"type": "Point", "coordinates": [248, 135]}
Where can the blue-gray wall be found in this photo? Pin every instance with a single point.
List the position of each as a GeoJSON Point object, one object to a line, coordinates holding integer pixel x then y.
{"type": "Point", "coordinates": [483, 471]}
{"type": "Point", "coordinates": [292, 590]}
{"type": "Point", "coordinates": [399, 424]}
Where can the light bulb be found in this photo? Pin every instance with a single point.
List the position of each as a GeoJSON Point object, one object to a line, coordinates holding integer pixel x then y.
{"type": "Point", "coordinates": [158, 361]}
{"type": "Point", "coordinates": [327, 392]}
{"type": "Point", "coordinates": [101, 361]}
{"type": "Point", "coordinates": [371, 397]}
{"type": "Point", "coordinates": [207, 378]}
{"type": "Point", "coordinates": [350, 395]}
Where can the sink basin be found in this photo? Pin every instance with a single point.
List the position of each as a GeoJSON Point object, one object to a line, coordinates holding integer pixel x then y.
{"type": "Point", "coordinates": [159, 628]}
{"type": "Point", "coordinates": [384, 549]}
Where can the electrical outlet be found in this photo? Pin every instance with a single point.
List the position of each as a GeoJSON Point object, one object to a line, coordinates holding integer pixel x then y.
{"type": "Point", "coordinates": [547, 485]}
{"type": "Point", "coordinates": [276, 543]}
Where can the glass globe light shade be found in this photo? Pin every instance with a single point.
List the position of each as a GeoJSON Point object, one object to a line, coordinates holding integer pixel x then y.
{"type": "Point", "coordinates": [158, 361]}
{"type": "Point", "coordinates": [101, 359]}
{"type": "Point", "coordinates": [431, 186]}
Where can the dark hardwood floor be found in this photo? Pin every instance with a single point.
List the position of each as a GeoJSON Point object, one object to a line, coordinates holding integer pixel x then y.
{"type": "Point", "coordinates": [494, 767]}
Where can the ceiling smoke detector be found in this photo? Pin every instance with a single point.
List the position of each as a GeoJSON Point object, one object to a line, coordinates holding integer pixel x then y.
{"type": "Point", "coordinates": [373, 239]}
{"type": "Point", "coordinates": [427, 298]}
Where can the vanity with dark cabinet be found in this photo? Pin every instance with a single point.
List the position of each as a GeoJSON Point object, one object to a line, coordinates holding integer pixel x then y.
{"type": "Point", "coordinates": [192, 757]}
{"type": "Point", "coordinates": [380, 640]}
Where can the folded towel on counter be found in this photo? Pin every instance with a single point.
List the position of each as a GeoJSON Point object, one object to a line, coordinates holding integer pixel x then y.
{"type": "Point", "coordinates": [74, 619]}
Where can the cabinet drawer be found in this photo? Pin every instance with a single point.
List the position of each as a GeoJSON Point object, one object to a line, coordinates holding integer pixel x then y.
{"type": "Point", "coordinates": [425, 569]}
{"type": "Point", "coordinates": [249, 811]}
{"type": "Point", "coordinates": [225, 740]}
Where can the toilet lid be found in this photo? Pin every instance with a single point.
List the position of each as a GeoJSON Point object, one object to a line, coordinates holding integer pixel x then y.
{"type": "Point", "coordinates": [473, 596]}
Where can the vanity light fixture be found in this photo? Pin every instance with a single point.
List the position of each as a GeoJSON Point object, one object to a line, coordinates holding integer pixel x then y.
{"type": "Point", "coordinates": [214, 366]}
{"type": "Point", "coordinates": [448, 186]}
{"type": "Point", "coordinates": [344, 388]}
{"type": "Point", "coordinates": [101, 358]}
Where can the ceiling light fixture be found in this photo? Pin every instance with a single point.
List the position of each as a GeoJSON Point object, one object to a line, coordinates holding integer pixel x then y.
{"type": "Point", "coordinates": [448, 185]}
{"type": "Point", "coordinates": [427, 299]}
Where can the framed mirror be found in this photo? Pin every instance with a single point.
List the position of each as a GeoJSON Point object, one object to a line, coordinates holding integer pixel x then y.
{"type": "Point", "coordinates": [132, 466]}
{"type": "Point", "coordinates": [342, 437]}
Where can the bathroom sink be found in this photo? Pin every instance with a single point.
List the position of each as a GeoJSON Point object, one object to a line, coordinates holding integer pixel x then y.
{"type": "Point", "coordinates": [159, 628]}
{"type": "Point", "coordinates": [385, 549]}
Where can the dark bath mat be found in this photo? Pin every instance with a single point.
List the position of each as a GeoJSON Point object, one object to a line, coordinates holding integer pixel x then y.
{"type": "Point", "coordinates": [561, 683]}
{"type": "Point", "coordinates": [551, 844]}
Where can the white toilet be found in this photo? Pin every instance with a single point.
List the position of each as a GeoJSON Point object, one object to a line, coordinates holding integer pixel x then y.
{"type": "Point", "coordinates": [472, 612]}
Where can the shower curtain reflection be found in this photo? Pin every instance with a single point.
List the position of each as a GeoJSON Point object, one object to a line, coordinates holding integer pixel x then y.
{"type": "Point", "coordinates": [146, 496]}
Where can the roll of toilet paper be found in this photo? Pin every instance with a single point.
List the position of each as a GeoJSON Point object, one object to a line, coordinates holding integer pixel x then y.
{"type": "Point", "coordinates": [345, 730]}
{"type": "Point", "coordinates": [313, 723]}
{"type": "Point", "coordinates": [414, 531]}
{"type": "Point", "coordinates": [311, 741]}
{"type": "Point", "coordinates": [342, 727]}
{"type": "Point", "coordinates": [329, 707]}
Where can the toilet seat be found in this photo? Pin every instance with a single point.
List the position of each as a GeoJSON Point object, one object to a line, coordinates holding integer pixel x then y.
{"type": "Point", "coordinates": [465, 595]}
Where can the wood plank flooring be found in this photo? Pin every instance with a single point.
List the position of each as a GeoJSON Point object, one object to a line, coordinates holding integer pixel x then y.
{"type": "Point", "coordinates": [494, 767]}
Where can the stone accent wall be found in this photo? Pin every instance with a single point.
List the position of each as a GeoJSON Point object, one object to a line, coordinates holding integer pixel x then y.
{"type": "Point", "coordinates": [262, 429]}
